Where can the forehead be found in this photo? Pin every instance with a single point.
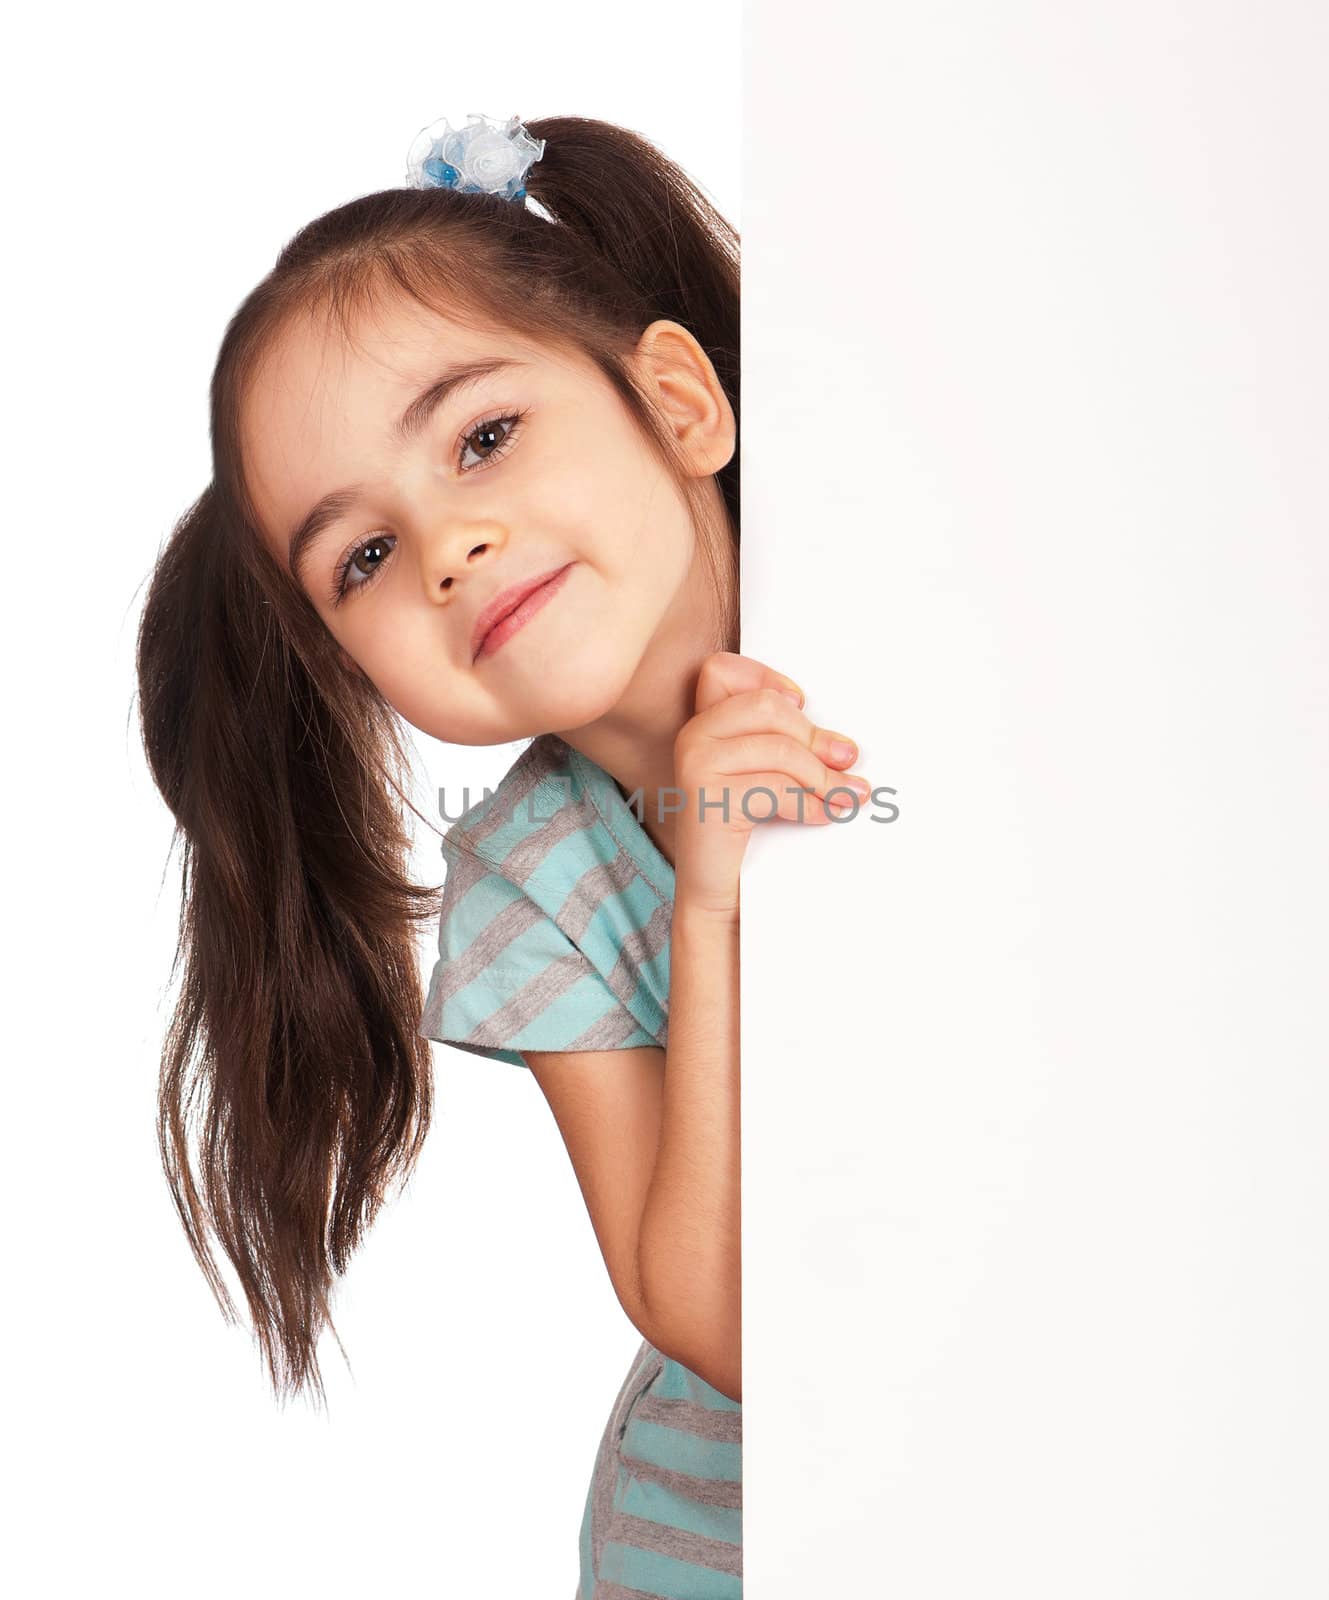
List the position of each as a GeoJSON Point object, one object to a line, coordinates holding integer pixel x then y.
{"type": "Point", "coordinates": [316, 370]}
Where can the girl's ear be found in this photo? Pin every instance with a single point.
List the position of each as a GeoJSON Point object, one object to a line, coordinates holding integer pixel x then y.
{"type": "Point", "coordinates": [683, 383]}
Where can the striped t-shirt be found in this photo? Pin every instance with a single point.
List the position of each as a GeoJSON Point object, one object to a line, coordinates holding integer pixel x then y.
{"type": "Point", "coordinates": [554, 935]}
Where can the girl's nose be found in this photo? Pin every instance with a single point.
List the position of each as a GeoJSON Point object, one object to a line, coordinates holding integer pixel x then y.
{"type": "Point", "coordinates": [449, 553]}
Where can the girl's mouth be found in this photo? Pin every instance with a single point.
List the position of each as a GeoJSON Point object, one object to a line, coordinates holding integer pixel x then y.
{"type": "Point", "coordinates": [512, 621]}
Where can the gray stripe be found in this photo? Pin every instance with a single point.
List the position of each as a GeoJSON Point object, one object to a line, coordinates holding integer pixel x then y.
{"type": "Point", "coordinates": [464, 869]}
{"type": "Point", "coordinates": [608, 1033]}
{"type": "Point", "coordinates": [636, 945]}
{"type": "Point", "coordinates": [527, 854]}
{"type": "Point", "coordinates": [430, 1025]}
{"type": "Point", "coordinates": [640, 945]}
{"type": "Point", "coordinates": [641, 1534]}
{"type": "Point", "coordinates": [603, 1484]}
{"type": "Point", "coordinates": [616, 1591]}
{"type": "Point", "coordinates": [530, 1000]}
{"type": "Point", "coordinates": [528, 769]}
{"type": "Point", "coordinates": [647, 1364]}
{"type": "Point", "coordinates": [509, 924]}
{"type": "Point", "coordinates": [597, 883]}
{"type": "Point", "coordinates": [705, 1491]}
{"type": "Point", "coordinates": [726, 1427]}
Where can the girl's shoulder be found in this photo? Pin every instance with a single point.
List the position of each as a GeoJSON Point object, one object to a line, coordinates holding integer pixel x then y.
{"type": "Point", "coordinates": [556, 909]}
{"type": "Point", "coordinates": [544, 779]}
{"type": "Point", "coordinates": [554, 815]}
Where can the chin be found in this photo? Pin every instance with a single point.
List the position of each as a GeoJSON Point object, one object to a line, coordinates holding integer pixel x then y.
{"type": "Point", "coordinates": [568, 711]}
{"type": "Point", "coordinates": [582, 701]}
{"type": "Point", "coordinates": [575, 682]}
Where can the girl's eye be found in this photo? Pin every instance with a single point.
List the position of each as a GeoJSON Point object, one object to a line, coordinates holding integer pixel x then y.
{"type": "Point", "coordinates": [488, 441]}
{"type": "Point", "coordinates": [492, 437]}
{"type": "Point", "coordinates": [361, 563]}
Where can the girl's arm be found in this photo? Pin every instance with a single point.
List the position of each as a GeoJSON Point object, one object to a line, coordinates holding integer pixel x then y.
{"type": "Point", "coordinates": [654, 1135]}
{"type": "Point", "coordinates": [653, 1140]}
{"type": "Point", "coordinates": [748, 753]}
{"type": "Point", "coordinates": [688, 1246]}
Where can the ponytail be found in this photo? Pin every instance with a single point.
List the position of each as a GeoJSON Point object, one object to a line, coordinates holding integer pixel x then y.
{"type": "Point", "coordinates": [292, 1053]}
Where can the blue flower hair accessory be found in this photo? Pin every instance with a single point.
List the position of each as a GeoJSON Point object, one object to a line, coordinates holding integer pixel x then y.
{"type": "Point", "coordinates": [485, 157]}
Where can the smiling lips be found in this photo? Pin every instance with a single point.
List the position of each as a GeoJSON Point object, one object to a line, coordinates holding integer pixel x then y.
{"type": "Point", "coordinates": [512, 609]}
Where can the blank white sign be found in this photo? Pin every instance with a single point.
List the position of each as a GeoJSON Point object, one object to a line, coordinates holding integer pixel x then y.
{"type": "Point", "coordinates": [1036, 496]}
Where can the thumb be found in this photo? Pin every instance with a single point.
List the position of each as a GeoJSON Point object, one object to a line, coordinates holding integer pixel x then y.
{"type": "Point", "coordinates": [725, 673]}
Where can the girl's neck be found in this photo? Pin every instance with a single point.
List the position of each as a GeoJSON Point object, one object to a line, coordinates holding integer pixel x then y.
{"type": "Point", "coordinates": [634, 742]}
{"type": "Point", "coordinates": [638, 761]}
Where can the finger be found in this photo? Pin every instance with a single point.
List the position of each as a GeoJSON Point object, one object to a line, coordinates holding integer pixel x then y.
{"type": "Point", "coordinates": [764, 796]}
{"type": "Point", "coordinates": [748, 753]}
{"type": "Point", "coordinates": [763, 709]}
{"type": "Point", "coordinates": [725, 673]}
{"type": "Point", "coordinates": [768, 710]}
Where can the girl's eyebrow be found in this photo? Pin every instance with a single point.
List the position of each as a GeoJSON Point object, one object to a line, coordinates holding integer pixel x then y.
{"type": "Point", "coordinates": [333, 506]}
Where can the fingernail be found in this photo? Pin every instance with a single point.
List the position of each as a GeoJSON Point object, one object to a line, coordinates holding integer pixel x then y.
{"type": "Point", "coordinates": [793, 694]}
{"type": "Point", "coordinates": [843, 750]}
{"type": "Point", "coordinates": [860, 786]}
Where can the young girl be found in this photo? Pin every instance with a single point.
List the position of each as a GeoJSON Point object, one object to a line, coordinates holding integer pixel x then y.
{"type": "Point", "coordinates": [475, 469]}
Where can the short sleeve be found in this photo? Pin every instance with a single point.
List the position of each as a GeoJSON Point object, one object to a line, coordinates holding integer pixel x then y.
{"type": "Point", "coordinates": [508, 978]}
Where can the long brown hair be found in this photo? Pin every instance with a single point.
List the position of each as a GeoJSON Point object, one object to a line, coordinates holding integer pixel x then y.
{"type": "Point", "coordinates": [292, 1055]}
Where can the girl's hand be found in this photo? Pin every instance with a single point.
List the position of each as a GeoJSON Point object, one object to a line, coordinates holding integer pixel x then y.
{"type": "Point", "coordinates": [749, 735]}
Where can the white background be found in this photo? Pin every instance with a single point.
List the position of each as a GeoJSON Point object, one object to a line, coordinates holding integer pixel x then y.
{"type": "Point", "coordinates": [157, 159]}
{"type": "Point", "coordinates": [1035, 1114]}
{"type": "Point", "coordinates": [1036, 1224]}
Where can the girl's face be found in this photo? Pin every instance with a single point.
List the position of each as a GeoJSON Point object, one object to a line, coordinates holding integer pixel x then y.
{"type": "Point", "coordinates": [406, 487]}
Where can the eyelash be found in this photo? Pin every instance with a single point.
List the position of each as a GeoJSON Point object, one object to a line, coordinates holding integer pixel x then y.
{"type": "Point", "coordinates": [513, 421]}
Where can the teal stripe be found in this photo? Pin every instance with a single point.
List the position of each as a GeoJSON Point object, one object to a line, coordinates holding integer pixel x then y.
{"type": "Point", "coordinates": [662, 1575]}
{"type": "Point", "coordinates": [621, 819]}
{"type": "Point", "coordinates": [683, 1452]}
{"type": "Point", "coordinates": [646, 1008]}
{"type": "Point", "coordinates": [655, 971]}
{"type": "Point", "coordinates": [602, 950]}
{"type": "Point", "coordinates": [621, 913]}
{"type": "Point", "coordinates": [657, 1504]}
{"type": "Point", "coordinates": [528, 951]}
{"type": "Point", "coordinates": [616, 919]}
{"type": "Point", "coordinates": [586, 1002]}
{"type": "Point", "coordinates": [584, 1540]}
{"type": "Point", "coordinates": [572, 855]}
{"type": "Point", "coordinates": [489, 1051]}
{"type": "Point", "coordinates": [634, 1041]}
{"type": "Point", "coordinates": [677, 1382]}
{"type": "Point", "coordinates": [476, 1001]}
{"type": "Point", "coordinates": [475, 910]}
{"type": "Point", "coordinates": [552, 1028]}
{"type": "Point", "coordinates": [523, 818]}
